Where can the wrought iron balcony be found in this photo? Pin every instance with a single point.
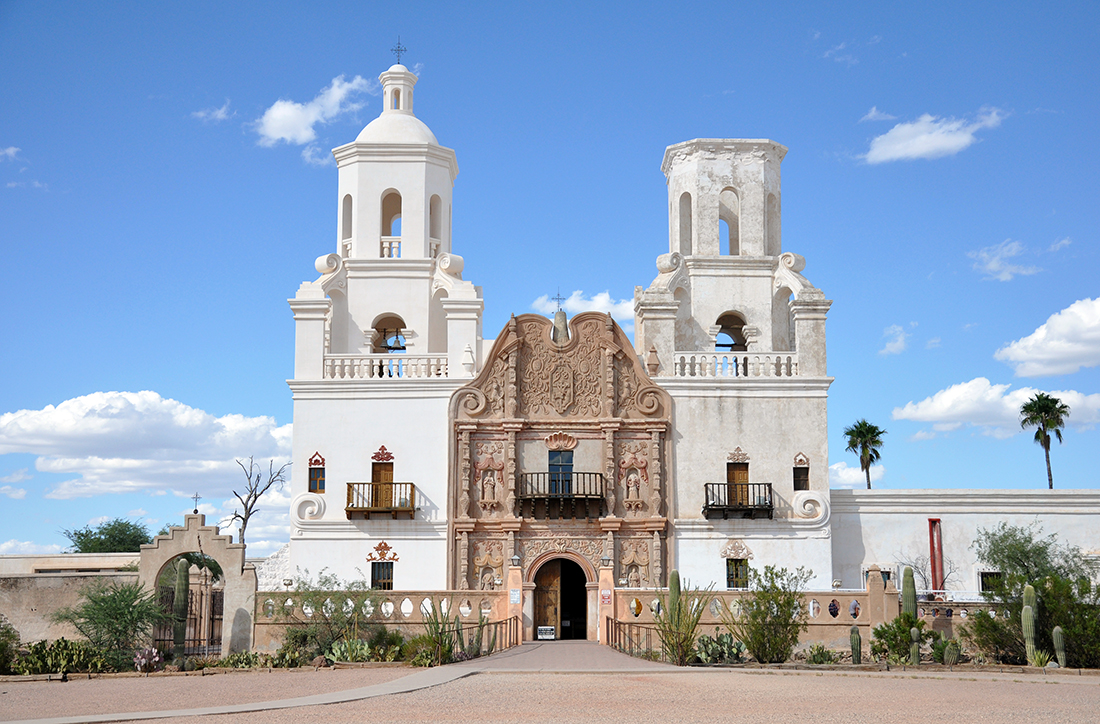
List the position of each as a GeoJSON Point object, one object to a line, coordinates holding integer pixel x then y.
{"type": "Point", "coordinates": [560, 495]}
{"type": "Point", "coordinates": [393, 498]}
{"type": "Point", "coordinates": [744, 500]}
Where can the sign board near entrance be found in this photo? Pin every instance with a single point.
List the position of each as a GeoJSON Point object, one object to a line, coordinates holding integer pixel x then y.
{"type": "Point", "coordinates": [514, 595]}
{"type": "Point", "coordinates": [546, 633]}
{"type": "Point", "coordinates": [605, 597]}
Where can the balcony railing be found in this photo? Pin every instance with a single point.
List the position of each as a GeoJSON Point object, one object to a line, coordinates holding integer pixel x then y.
{"type": "Point", "coordinates": [560, 495]}
{"type": "Point", "coordinates": [390, 247]}
{"type": "Point", "coordinates": [367, 498]}
{"type": "Point", "coordinates": [384, 366]}
{"type": "Point", "coordinates": [734, 364]}
{"type": "Point", "coordinates": [745, 500]}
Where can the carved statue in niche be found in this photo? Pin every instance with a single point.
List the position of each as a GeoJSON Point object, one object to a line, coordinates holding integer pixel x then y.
{"type": "Point", "coordinates": [633, 473]}
{"type": "Point", "coordinates": [494, 388]}
{"type": "Point", "coordinates": [634, 557]}
{"type": "Point", "coordinates": [626, 383]}
{"type": "Point", "coordinates": [488, 467]}
{"type": "Point", "coordinates": [489, 562]}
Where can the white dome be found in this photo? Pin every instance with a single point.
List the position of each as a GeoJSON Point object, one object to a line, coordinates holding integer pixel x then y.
{"type": "Point", "coordinates": [397, 128]}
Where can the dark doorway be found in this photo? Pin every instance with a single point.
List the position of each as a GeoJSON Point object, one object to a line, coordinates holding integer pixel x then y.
{"type": "Point", "coordinates": [561, 600]}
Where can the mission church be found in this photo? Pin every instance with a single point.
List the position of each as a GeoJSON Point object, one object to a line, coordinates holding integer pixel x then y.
{"type": "Point", "coordinates": [429, 457]}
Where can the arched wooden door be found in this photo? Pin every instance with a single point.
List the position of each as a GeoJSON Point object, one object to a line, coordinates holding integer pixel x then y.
{"type": "Point", "coordinates": [548, 600]}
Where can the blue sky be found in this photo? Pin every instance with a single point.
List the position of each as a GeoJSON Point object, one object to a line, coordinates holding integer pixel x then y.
{"type": "Point", "coordinates": [941, 182]}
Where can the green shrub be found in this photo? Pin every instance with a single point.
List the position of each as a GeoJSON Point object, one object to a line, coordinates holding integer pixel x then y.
{"type": "Point", "coordinates": [772, 615]}
{"type": "Point", "coordinates": [891, 640]}
{"type": "Point", "coordinates": [820, 654]}
{"type": "Point", "coordinates": [117, 618]}
{"type": "Point", "coordinates": [336, 612]}
{"type": "Point", "coordinates": [419, 650]}
{"type": "Point", "coordinates": [678, 619]}
{"type": "Point", "coordinates": [9, 646]}
{"type": "Point", "coordinates": [61, 657]}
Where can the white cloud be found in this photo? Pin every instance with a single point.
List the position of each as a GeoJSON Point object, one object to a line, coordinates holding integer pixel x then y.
{"type": "Point", "coordinates": [622, 311]}
{"type": "Point", "coordinates": [842, 476]}
{"type": "Point", "coordinates": [114, 442]}
{"type": "Point", "coordinates": [1060, 244]}
{"type": "Point", "coordinates": [26, 547]}
{"type": "Point", "coordinates": [137, 513]}
{"type": "Point", "coordinates": [896, 338]}
{"type": "Point", "coordinates": [992, 261]}
{"type": "Point", "coordinates": [293, 122]}
{"type": "Point", "coordinates": [17, 477]}
{"type": "Point", "coordinates": [314, 156]}
{"type": "Point", "coordinates": [932, 343]}
{"type": "Point", "coordinates": [876, 115]}
{"type": "Point", "coordinates": [215, 115]}
{"type": "Point", "coordinates": [13, 493]}
{"type": "Point", "coordinates": [1066, 342]}
{"type": "Point", "coordinates": [930, 137]}
{"type": "Point", "coordinates": [99, 520]}
{"type": "Point", "coordinates": [840, 57]}
{"type": "Point", "coordinates": [994, 409]}
{"type": "Point", "coordinates": [9, 153]}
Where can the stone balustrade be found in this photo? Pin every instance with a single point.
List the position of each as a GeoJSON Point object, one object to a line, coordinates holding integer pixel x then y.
{"type": "Point", "coordinates": [384, 366]}
{"type": "Point", "coordinates": [734, 364]}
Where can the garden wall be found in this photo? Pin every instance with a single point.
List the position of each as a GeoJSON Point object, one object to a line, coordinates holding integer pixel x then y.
{"type": "Point", "coordinates": [28, 600]}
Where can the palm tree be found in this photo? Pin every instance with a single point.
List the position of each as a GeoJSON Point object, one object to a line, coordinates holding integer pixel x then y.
{"type": "Point", "coordinates": [864, 439]}
{"type": "Point", "coordinates": [1047, 414]}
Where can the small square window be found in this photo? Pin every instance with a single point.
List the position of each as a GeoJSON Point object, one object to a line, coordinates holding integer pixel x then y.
{"type": "Point", "coordinates": [989, 580]}
{"type": "Point", "coordinates": [381, 575]}
{"type": "Point", "coordinates": [801, 479]}
{"type": "Point", "coordinates": [316, 480]}
{"type": "Point", "coordinates": [737, 573]}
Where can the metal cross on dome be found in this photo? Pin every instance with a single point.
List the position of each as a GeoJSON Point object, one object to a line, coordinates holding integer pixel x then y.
{"type": "Point", "coordinates": [398, 49]}
{"type": "Point", "coordinates": [196, 497]}
{"type": "Point", "coordinates": [559, 298]}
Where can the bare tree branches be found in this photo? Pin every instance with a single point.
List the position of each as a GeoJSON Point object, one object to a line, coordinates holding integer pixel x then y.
{"type": "Point", "coordinates": [922, 570]}
{"type": "Point", "coordinates": [256, 486]}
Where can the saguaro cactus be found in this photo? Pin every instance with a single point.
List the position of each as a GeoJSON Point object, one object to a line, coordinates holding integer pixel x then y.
{"type": "Point", "coordinates": [179, 606]}
{"type": "Point", "coordinates": [1059, 645]}
{"type": "Point", "coordinates": [908, 593]}
{"type": "Point", "coordinates": [674, 594]}
{"type": "Point", "coordinates": [1027, 618]}
{"type": "Point", "coordinates": [857, 646]}
{"type": "Point", "coordinates": [1029, 596]}
{"type": "Point", "coordinates": [914, 648]}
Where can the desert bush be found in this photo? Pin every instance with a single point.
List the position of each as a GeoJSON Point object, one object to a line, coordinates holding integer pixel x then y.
{"type": "Point", "coordinates": [891, 640]}
{"type": "Point", "coordinates": [772, 615]}
{"type": "Point", "coordinates": [721, 649]}
{"type": "Point", "coordinates": [678, 619]}
{"type": "Point", "coordinates": [325, 612]}
{"type": "Point", "coordinates": [9, 645]}
{"type": "Point", "coordinates": [116, 618]}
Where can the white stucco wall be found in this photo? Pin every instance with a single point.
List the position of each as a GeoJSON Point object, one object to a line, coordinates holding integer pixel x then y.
{"type": "Point", "coordinates": [884, 526]}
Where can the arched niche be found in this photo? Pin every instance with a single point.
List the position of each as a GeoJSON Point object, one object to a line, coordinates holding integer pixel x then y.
{"type": "Point", "coordinates": [391, 213]}
{"type": "Point", "coordinates": [437, 323]}
{"type": "Point", "coordinates": [240, 577]}
{"type": "Point", "coordinates": [781, 321]}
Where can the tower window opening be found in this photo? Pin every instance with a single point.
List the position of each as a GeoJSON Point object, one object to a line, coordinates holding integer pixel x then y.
{"type": "Point", "coordinates": [389, 335]}
{"type": "Point", "coordinates": [345, 218]}
{"type": "Point", "coordinates": [731, 334]}
{"type": "Point", "coordinates": [396, 99]}
{"type": "Point", "coordinates": [391, 214]}
{"type": "Point", "coordinates": [685, 224]}
{"type": "Point", "coordinates": [729, 222]}
{"type": "Point", "coordinates": [435, 220]}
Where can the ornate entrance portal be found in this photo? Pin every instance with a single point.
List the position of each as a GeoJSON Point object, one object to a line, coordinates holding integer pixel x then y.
{"type": "Point", "coordinates": [561, 601]}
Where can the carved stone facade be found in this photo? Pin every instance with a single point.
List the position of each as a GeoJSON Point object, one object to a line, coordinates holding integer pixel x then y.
{"type": "Point", "coordinates": [589, 397]}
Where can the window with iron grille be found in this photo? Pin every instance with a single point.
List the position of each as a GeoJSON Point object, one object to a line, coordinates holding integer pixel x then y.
{"type": "Point", "coordinates": [381, 575]}
{"type": "Point", "coordinates": [737, 573]}
{"type": "Point", "coordinates": [989, 580]}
